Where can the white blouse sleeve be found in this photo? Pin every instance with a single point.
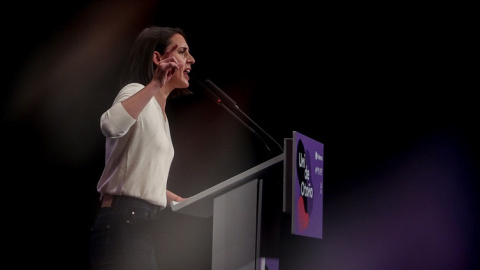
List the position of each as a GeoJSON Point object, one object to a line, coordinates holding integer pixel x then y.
{"type": "Point", "coordinates": [116, 121]}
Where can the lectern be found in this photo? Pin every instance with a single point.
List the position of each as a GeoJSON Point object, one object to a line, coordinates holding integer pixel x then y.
{"type": "Point", "coordinates": [245, 210]}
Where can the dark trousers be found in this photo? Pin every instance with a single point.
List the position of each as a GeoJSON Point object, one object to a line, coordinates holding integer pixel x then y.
{"type": "Point", "coordinates": [122, 237]}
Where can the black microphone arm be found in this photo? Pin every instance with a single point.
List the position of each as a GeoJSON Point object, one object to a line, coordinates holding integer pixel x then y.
{"type": "Point", "coordinates": [219, 96]}
{"type": "Point", "coordinates": [219, 101]}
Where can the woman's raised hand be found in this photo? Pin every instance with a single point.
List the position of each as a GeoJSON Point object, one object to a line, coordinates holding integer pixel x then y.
{"type": "Point", "coordinates": [166, 67]}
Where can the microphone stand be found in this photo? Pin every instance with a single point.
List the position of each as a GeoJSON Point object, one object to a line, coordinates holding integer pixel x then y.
{"type": "Point", "coordinates": [218, 100]}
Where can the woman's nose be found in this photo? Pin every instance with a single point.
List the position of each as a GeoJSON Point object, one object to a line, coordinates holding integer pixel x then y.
{"type": "Point", "coordinates": [191, 59]}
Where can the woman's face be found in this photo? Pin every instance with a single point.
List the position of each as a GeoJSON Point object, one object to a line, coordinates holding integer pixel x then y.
{"type": "Point", "coordinates": [185, 61]}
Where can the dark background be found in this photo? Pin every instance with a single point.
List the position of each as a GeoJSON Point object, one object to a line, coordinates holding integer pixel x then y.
{"type": "Point", "coordinates": [387, 89]}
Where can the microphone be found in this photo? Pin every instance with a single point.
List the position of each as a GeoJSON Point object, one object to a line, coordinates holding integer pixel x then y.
{"type": "Point", "coordinates": [216, 94]}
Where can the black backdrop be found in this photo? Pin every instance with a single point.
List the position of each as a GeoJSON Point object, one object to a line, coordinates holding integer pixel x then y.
{"type": "Point", "coordinates": [384, 88]}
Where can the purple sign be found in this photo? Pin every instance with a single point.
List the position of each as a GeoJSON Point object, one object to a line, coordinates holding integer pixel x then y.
{"type": "Point", "coordinates": [269, 263]}
{"type": "Point", "coordinates": [307, 186]}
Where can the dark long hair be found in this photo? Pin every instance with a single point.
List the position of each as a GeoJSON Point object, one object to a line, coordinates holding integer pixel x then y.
{"type": "Point", "coordinates": [139, 67]}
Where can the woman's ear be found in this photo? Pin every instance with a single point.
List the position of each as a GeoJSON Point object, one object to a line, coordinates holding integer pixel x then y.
{"type": "Point", "coordinates": [156, 57]}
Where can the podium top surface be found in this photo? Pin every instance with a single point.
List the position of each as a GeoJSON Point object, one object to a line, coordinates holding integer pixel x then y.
{"type": "Point", "coordinates": [201, 204]}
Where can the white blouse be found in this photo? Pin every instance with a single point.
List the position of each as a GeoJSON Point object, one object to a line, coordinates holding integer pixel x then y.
{"type": "Point", "coordinates": [138, 153]}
